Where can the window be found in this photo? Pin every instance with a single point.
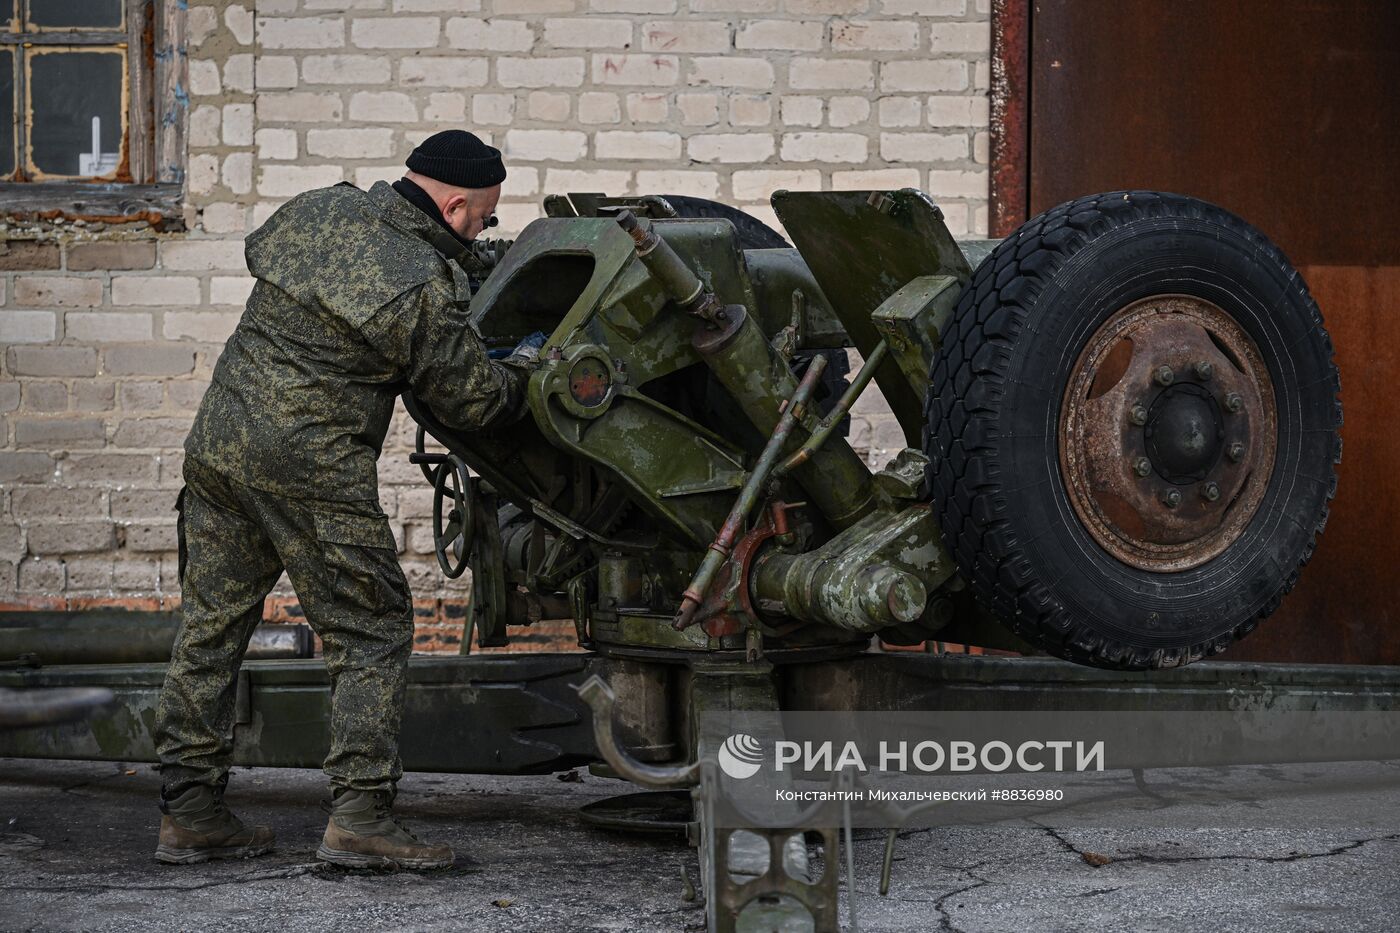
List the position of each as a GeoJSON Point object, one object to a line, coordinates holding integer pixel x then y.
{"type": "Point", "coordinates": [83, 119]}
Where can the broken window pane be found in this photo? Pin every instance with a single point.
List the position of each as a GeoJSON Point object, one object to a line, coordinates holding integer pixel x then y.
{"type": "Point", "coordinates": [75, 120]}
{"type": "Point", "coordinates": [83, 14]}
{"type": "Point", "coordinates": [7, 113]}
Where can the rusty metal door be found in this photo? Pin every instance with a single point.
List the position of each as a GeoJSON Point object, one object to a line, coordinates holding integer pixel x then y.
{"type": "Point", "coordinates": [1287, 112]}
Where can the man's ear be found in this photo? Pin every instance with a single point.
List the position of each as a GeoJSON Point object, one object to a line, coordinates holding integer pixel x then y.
{"type": "Point", "coordinates": [452, 206]}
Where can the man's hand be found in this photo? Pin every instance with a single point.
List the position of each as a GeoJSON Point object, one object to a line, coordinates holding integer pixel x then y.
{"type": "Point", "coordinates": [528, 350]}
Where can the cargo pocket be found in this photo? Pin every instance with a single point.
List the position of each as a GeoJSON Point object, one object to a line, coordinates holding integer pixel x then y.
{"type": "Point", "coordinates": [182, 554]}
{"type": "Point", "coordinates": [362, 564]}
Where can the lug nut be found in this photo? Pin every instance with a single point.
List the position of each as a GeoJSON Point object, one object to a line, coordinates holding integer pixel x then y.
{"type": "Point", "coordinates": [1138, 415]}
{"type": "Point", "coordinates": [1233, 402]}
{"type": "Point", "coordinates": [1203, 369]}
{"type": "Point", "coordinates": [1142, 466]}
{"type": "Point", "coordinates": [1210, 492]}
{"type": "Point", "coordinates": [1171, 499]}
{"type": "Point", "coordinates": [1164, 375]}
{"type": "Point", "coordinates": [1235, 451]}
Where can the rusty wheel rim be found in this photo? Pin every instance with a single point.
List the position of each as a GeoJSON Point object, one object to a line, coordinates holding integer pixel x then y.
{"type": "Point", "coordinates": [1168, 429]}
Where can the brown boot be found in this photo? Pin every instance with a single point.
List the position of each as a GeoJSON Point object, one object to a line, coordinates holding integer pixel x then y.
{"type": "Point", "coordinates": [363, 833]}
{"type": "Point", "coordinates": [197, 827]}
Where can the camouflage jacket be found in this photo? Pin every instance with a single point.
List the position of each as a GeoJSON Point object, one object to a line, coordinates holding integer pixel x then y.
{"type": "Point", "coordinates": [353, 304]}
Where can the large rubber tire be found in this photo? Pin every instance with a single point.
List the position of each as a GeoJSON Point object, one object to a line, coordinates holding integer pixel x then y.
{"type": "Point", "coordinates": [994, 404]}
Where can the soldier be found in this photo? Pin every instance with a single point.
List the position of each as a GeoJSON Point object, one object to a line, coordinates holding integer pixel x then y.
{"type": "Point", "coordinates": [357, 299]}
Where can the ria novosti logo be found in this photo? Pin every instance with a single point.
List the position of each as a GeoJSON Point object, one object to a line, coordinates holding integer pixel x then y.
{"type": "Point", "coordinates": [740, 756]}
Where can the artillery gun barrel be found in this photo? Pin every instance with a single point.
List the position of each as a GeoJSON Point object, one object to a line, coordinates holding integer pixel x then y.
{"type": "Point", "coordinates": [106, 637]}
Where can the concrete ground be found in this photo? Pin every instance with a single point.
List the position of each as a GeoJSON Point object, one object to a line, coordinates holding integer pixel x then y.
{"type": "Point", "coordinates": [76, 840]}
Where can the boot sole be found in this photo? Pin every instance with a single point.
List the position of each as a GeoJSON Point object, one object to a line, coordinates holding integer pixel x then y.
{"type": "Point", "coordinates": [168, 856]}
{"type": "Point", "coordinates": [360, 860]}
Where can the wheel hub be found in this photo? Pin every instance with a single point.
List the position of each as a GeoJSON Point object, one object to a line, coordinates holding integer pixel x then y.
{"type": "Point", "coordinates": [1168, 429]}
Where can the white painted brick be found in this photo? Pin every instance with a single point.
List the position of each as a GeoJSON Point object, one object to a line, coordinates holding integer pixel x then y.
{"type": "Point", "coordinates": [203, 173]}
{"type": "Point", "coordinates": [238, 74]}
{"type": "Point", "coordinates": [515, 217]}
{"type": "Point", "coordinates": [750, 110]}
{"type": "Point", "coordinates": [802, 111]}
{"type": "Point", "coordinates": [443, 6]}
{"type": "Point", "coordinates": [401, 32]}
{"type": "Point", "coordinates": [734, 6]}
{"type": "Point", "coordinates": [545, 145]}
{"type": "Point", "coordinates": [57, 291]}
{"type": "Point", "coordinates": [825, 147]}
{"type": "Point", "coordinates": [275, 71]}
{"type": "Point", "coordinates": [446, 107]}
{"type": "Point", "coordinates": [204, 326]}
{"type": "Point", "coordinates": [900, 111]}
{"type": "Point", "coordinates": [847, 111]}
{"type": "Point", "coordinates": [982, 76]}
{"type": "Point", "coordinates": [596, 107]}
{"type": "Point", "coordinates": [957, 184]}
{"type": "Point", "coordinates": [342, 5]}
{"type": "Point", "coordinates": [548, 106]}
{"type": "Point", "coordinates": [931, 75]}
{"type": "Point", "coordinates": [607, 181]}
{"type": "Point", "coordinates": [522, 181]}
{"type": "Point", "coordinates": [493, 35]}
{"type": "Point", "coordinates": [632, 146]}
{"type": "Point", "coordinates": [872, 35]}
{"type": "Point", "coordinates": [835, 73]}
{"type": "Point", "coordinates": [539, 72]}
{"type": "Point", "coordinates": [827, 7]}
{"type": "Point", "coordinates": [955, 217]}
{"type": "Point", "coordinates": [278, 181]}
{"type": "Point", "coordinates": [647, 70]}
{"type": "Point", "coordinates": [633, 6]}
{"type": "Point", "coordinates": [960, 37]}
{"type": "Point", "coordinates": [299, 107]}
{"type": "Point", "coordinates": [153, 290]}
{"type": "Point", "coordinates": [28, 327]}
{"type": "Point", "coordinates": [236, 172]}
{"type": "Point", "coordinates": [924, 7]}
{"type": "Point", "coordinates": [730, 147]}
{"type": "Point", "coordinates": [591, 33]}
{"type": "Point", "coordinates": [454, 71]}
{"type": "Point", "coordinates": [681, 35]}
{"type": "Point", "coordinates": [374, 143]}
{"type": "Point", "coordinates": [107, 326]}
{"type": "Point", "coordinates": [731, 72]}
{"type": "Point", "coordinates": [759, 184]}
{"type": "Point", "coordinates": [981, 148]}
{"type": "Point", "coordinates": [922, 147]}
{"type": "Point", "coordinates": [648, 108]}
{"type": "Point", "coordinates": [276, 143]}
{"type": "Point", "coordinates": [238, 124]}
{"type": "Point", "coordinates": [224, 217]}
{"type": "Point", "coordinates": [493, 109]}
{"type": "Point", "coordinates": [306, 32]}
{"type": "Point", "coordinates": [345, 69]}
{"type": "Point", "coordinates": [383, 107]}
{"type": "Point", "coordinates": [780, 35]}
{"type": "Point", "coordinates": [967, 111]}
{"type": "Point", "coordinates": [875, 179]}
{"type": "Point", "coordinates": [698, 109]}
{"type": "Point", "coordinates": [367, 175]}
{"type": "Point", "coordinates": [669, 181]}
{"type": "Point", "coordinates": [204, 78]}
{"type": "Point", "coordinates": [204, 126]}
{"type": "Point", "coordinates": [201, 255]}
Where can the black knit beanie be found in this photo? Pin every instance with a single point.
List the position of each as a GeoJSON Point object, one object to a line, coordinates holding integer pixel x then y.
{"type": "Point", "coordinates": [456, 157]}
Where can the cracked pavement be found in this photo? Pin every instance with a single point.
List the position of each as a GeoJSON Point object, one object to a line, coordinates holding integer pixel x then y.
{"type": "Point", "coordinates": [76, 840]}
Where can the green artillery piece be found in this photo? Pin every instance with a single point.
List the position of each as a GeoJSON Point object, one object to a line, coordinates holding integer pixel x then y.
{"type": "Point", "coordinates": [1120, 431]}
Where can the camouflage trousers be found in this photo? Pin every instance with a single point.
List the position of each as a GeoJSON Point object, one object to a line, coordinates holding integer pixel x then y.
{"type": "Point", "coordinates": [340, 556]}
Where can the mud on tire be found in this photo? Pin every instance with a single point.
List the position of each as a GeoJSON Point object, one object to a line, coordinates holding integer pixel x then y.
{"type": "Point", "coordinates": [1004, 470]}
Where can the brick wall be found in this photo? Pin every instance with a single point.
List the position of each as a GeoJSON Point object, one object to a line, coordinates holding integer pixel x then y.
{"type": "Point", "coordinates": [110, 331]}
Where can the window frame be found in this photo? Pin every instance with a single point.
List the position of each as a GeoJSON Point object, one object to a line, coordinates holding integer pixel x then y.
{"type": "Point", "coordinates": [153, 184]}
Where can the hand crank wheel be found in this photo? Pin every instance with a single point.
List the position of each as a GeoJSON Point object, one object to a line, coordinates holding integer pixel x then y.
{"type": "Point", "coordinates": [452, 534]}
